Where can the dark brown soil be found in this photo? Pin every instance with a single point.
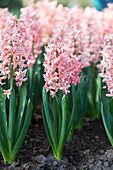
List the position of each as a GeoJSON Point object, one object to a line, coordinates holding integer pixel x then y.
{"type": "Point", "coordinates": [85, 145]}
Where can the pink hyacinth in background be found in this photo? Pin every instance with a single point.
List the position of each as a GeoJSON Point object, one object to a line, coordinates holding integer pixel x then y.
{"type": "Point", "coordinates": [48, 17]}
{"type": "Point", "coordinates": [61, 68]}
{"type": "Point", "coordinates": [107, 64]}
{"type": "Point", "coordinates": [91, 37]}
{"type": "Point", "coordinates": [30, 17]}
{"type": "Point", "coordinates": [4, 16]}
{"type": "Point", "coordinates": [107, 20]}
{"type": "Point", "coordinates": [81, 30]}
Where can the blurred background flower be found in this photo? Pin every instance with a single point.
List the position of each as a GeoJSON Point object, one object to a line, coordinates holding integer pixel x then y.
{"type": "Point", "coordinates": [14, 5]}
{"type": "Point", "coordinates": [80, 3]}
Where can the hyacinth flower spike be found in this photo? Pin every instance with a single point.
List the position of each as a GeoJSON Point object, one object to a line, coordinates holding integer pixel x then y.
{"type": "Point", "coordinates": [35, 61]}
{"type": "Point", "coordinates": [107, 91]}
{"type": "Point", "coordinates": [14, 120]}
{"type": "Point", "coordinates": [62, 75]}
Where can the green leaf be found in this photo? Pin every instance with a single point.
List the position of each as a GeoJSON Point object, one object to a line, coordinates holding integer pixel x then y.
{"type": "Point", "coordinates": [74, 114]}
{"type": "Point", "coordinates": [49, 119]}
{"type": "Point", "coordinates": [3, 118]}
{"type": "Point", "coordinates": [59, 110]}
{"type": "Point", "coordinates": [47, 130]}
{"type": "Point", "coordinates": [107, 115]}
{"type": "Point", "coordinates": [12, 107]}
{"type": "Point", "coordinates": [20, 115]}
{"type": "Point", "coordinates": [23, 132]}
{"type": "Point", "coordinates": [36, 80]}
{"type": "Point", "coordinates": [51, 103]}
{"type": "Point", "coordinates": [3, 148]}
{"type": "Point", "coordinates": [94, 91]}
{"type": "Point", "coordinates": [81, 101]}
{"type": "Point", "coordinates": [111, 107]}
{"type": "Point", "coordinates": [63, 134]}
{"type": "Point", "coordinates": [55, 116]}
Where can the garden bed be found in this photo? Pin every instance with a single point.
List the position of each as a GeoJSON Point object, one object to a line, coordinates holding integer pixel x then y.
{"type": "Point", "coordinates": [88, 149]}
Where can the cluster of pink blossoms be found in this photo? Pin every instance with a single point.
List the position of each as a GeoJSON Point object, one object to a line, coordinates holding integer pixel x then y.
{"type": "Point", "coordinates": [48, 17]}
{"type": "Point", "coordinates": [105, 67]}
{"type": "Point", "coordinates": [77, 34]}
{"type": "Point", "coordinates": [56, 21]}
{"type": "Point", "coordinates": [88, 40]}
{"type": "Point", "coordinates": [61, 67]}
{"type": "Point", "coordinates": [14, 50]}
{"type": "Point", "coordinates": [33, 28]}
{"type": "Point", "coordinates": [91, 24]}
{"type": "Point", "coordinates": [4, 15]}
{"type": "Point", "coordinates": [90, 37]}
{"type": "Point", "coordinates": [107, 64]}
{"type": "Point", "coordinates": [107, 20]}
{"type": "Point", "coordinates": [20, 43]}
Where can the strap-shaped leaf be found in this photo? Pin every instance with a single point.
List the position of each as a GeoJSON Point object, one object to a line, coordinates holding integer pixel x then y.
{"type": "Point", "coordinates": [63, 134]}
{"type": "Point", "coordinates": [51, 103]}
{"type": "Point", "coordinates": [81, 101]}
{"type": "Point", "coordinates": [3, 148]}
{"type": "Point", "coordinates": [107, 115]}
{"type": "Point", "coordinates": [93, 93]}
{"type": "Point", "coordinates": [30, 79]}
{"type": "Point", "coordinates": [59, 110]}
{"type": "Point", "coordinates": [3, 118]}
{"type": "Point", "coordinates": [74, 114]}
{"type": "Point", "coordinates": [20, 116]}
{"type": "Point", "coordinates": [38, 81]}
{"type": "Point", "coordinates": [12, 107]}
{"type": "Point", "coordinates": [21, 137]}
{"type": "Point", "coordinates": [47, 130]}
{"type": "Point", "coordinates": [55, 116]}
{"type": "Point", "coordinates": [98, 94]}
{"type": "Point", "coordinates": [48, 118]}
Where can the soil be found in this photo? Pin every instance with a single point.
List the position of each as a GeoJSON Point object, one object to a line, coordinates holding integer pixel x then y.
{"type": "Point", "coordinates": [88, 149]}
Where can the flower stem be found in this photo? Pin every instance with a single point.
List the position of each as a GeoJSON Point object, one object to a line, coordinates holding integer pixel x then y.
{"type": "Point", "coordinates": [11, 72]}
{"type": "Point", "coordinates": [11, 109]}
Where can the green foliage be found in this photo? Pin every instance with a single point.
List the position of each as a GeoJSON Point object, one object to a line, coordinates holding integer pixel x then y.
{"type": "Point", "coordinates": [13, 133]}
{"type": "Point", "coordinates": [61, 115]}
{"type": "Point", "coordinates": [107, 114]}
{"type": "Point", "coordinates": [82, 101]}
{"type": "Point", "coordinates": [57, 133]}
{"type": "Point", "coordinates": [78, 102]}
{"type": "Point", "coordinates": [36, 80]}
{"type": "Point", "coordinates": [11, 4]}
{"type": "Point", "coordinates": [94, 92]}
{"type": "Point", "coordinates": [15, 11]}
{"type": "Point", "coordinates": [80, 3]}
